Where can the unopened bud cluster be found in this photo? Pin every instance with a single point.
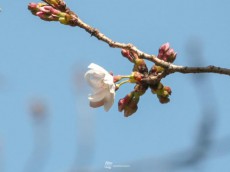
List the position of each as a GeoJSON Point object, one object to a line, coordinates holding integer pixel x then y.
{"type": "Point", "coordinates": [162, 92]}
{"type": "Point", "coordinates": [129, 103]}
{"type": "Point", "coordinates": [167, 54]}
{"type": "Point", "coordinates": [139, 64]}
{"type": "Point", "coordinates": [53, 10]}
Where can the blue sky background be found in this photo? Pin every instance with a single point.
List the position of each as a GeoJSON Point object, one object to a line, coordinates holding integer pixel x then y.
{"type": "Point", "coordinates": [41, 60]}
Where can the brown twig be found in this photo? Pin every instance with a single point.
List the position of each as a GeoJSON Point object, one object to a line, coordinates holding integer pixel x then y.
{"type": "Point", "coordinates": [208, 69]}
{"type": "Point", "coordinates": [172, 68]}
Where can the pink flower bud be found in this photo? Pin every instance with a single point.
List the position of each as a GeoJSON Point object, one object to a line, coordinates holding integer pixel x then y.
{"type": "Point", "coordinates": [41, 14]}
{"type": "Point", "coordinates": [46, 17]}
{"type": "Point", "coordinates": [169, 52]}
{"type": "Point", "coordinates": [132, 107]}
{"type": "Point", "coordinates": [45, 9]}
{"type": "Point", "coordinates": [126, 53]}
{"type": "Point", "coordinates": [166, 53]}
{"type": "Point", "coordinates": [121, 105]}
{"type": "Point", "coordinates": [32, 6]}
{"type": "Point", "coordinates": [164, 48]}
{"type": "Point", "coordinates": [171, 55]}
{"type": "Point", "coordinates": [124, 101]}
{"type": "Point", "coordinates": [56, 12]}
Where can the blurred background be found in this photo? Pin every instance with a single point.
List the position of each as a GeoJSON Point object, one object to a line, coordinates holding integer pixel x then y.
{"type": "Point", "coordinates": [46, 124]}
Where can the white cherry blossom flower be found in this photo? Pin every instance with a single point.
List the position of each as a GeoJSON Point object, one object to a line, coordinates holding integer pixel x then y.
{"type": "Point", "coordinates": [103, 87]}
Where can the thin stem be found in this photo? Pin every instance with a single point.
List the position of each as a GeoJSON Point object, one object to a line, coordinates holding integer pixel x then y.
{"type": "Point", "coordinates": [121, 83]}
{"type": "Point", "coordinates": [125, 76]}
{"type": "Point", "coordinates": [120, 77]}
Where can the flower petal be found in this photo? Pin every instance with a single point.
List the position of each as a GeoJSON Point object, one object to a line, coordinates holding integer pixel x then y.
{"type": "Point", "coordinates": [94, 79]}
{"type": "Point", "coordinates": [98, 96]}
{"type": "Point", "coordinates": [112, 88]}
{"type": "Point", "coordinates": [96, 104]}
{"type": "Point", "coordinates": [97, 68]}
{"type": "Point", "coordinates": [108, 101]}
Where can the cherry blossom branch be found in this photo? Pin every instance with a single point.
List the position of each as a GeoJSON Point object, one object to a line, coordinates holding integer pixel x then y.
{"type": "Point", "coordinates": [74, 20]}
{"type": "Point", "coordinates": [98, 77]}
{"type": "Point", "coordinates": [171, 67]}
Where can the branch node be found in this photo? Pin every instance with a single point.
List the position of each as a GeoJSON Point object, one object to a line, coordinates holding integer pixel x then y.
{"type": "Point", "coordinates": [94, 32]}
{"type": "Point", "coordinates": [130, 46]}
{"type": "Point", "coordinates": [211, 67]}
{"type": "Point", "coordinates": [112, 44]}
